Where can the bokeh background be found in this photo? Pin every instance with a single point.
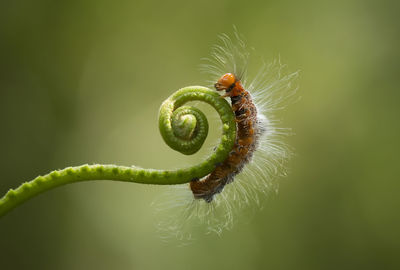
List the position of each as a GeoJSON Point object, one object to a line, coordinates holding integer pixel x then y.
{"type": "Point", "coordinates": [82, 81]}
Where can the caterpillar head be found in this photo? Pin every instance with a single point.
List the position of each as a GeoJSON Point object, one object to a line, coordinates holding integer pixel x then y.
{"type": "Point", "coordinates": [226, 82]}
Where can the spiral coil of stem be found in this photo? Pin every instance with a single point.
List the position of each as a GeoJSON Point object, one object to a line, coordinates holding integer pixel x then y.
{"type": "Point", "coordinates": [183, 128]}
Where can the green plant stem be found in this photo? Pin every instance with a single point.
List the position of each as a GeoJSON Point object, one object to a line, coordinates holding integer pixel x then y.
{"type": "Point", "coordinates": [183, 128]}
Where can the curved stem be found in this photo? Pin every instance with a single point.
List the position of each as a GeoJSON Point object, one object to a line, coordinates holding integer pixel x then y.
{"type": "Point", "coordinates": [183, 128]}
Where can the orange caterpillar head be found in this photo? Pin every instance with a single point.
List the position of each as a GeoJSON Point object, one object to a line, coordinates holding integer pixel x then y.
{"type": "Point", "coordinates": [226, 82]}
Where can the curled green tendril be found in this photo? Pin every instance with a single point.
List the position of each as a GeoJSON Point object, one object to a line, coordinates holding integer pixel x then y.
{"type": "Point", "coordinates": [183, 128]}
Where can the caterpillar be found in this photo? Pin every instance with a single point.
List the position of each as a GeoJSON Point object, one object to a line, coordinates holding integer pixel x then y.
{"type": "Point", "coordinates": [259, 155]}
{"type": "Point", "coordinates": [248, 131]}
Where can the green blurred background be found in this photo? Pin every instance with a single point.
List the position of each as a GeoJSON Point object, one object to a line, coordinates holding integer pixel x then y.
{"type": "Point", "coordinates": [82, 81]}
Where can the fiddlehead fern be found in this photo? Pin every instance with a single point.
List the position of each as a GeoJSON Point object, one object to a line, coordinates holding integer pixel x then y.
{"type": "Point", "coordinates": [184, 128]}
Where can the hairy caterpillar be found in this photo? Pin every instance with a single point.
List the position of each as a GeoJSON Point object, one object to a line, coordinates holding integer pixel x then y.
{"type": "Point", "coordinates": [249, 128]}
{"type": "Point", "coordinates": [259, 156]}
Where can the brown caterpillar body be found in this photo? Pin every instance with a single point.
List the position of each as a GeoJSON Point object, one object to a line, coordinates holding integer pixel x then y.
{"type": "Point", "coordinates": [248, 132]}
